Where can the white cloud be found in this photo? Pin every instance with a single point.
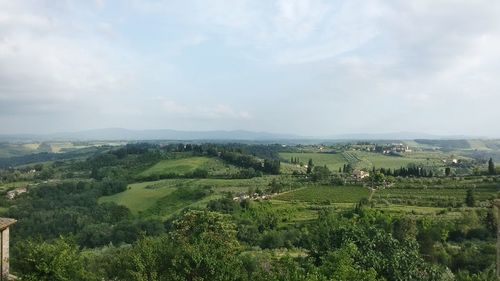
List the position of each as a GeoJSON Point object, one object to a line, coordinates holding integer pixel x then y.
{"type": "Point", "coordinates": [173, 107]}
{"type": "Point", "coordinates": [48, 63]}
{"type": "Point", "coordinates": [218, 111]}
{"type": "Point", "coordinates": [298, 60]}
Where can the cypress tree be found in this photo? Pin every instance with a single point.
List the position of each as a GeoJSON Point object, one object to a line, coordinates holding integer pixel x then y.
{"type": "Point", "coordinates": [491, 167]}
{"type": "Point", "coordinates": [309, 166]}
{"type": "Point", "coordinates": [469, 198]}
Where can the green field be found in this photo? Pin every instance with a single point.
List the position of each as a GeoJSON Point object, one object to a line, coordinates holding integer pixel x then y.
{"type": "Point", "coordinates": [343, 194]}
{"type": "Point", "coordinates": [184, 166]}
{"type": "Point", "coordinates": [288, 168]}
{"type": "Point", "coordinates": [377, 160]}
{"type": "Point", "coordinates": [480, 194]}
{"type": "Point", "coordinates": [12, 185]}
{"type": "Point", "coordinates": [139, 198]}
{"type": "Point", "coordinates": [368, 160]}
{"type": "Point", "coordinates": [413, 197]}
{"type": "Point", "coordinates": [332, 161]}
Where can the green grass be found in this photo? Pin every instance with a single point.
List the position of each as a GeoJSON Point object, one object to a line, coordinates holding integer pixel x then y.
{"type": "Point", "coordinates": [293, 211]}
{"type": "Point", "coordinates": [417, 196]}
{"type": "Point", "coordinates": [187, 165]}
{"type": "Point", "coordinates": [377, 160]}
{"type": "Point", "coordinates": [434, 193]}
{"type": "Point", "coordinates": [236, 185]}
{"type": "Point", "coordinates": [288, 168]}
{"type": "Point", "coordinates": [13, 185]}
{"type": "Point", "coordinates": [180, 199]}
{"type": "Point", "coordinates": [368, 160]}
{"type": "Point", "coordinates": [139, 198]}
{"type": "Point", "coordinates": [343, 194]}
{"type": "Point", "coordinates": [332, 161]}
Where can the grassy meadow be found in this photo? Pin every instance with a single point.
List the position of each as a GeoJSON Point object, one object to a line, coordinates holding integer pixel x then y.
{"type": "Point", "coordinates": [156, 197]}
{"type": "Point", "coordinates": [332, 161]}
{"type": "Point", "coordinates": [185, 166]}
{"type": "Point", "coordinates": [140, 196]}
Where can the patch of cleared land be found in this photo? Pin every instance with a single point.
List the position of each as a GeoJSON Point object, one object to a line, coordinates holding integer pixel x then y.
{"type": "Point", "coordinates": [184, 166]}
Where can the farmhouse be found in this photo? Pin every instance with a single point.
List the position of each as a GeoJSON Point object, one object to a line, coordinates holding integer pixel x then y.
{"type": "Point", "coordinates": [396, 148]}
{"type": "Point", "coordinates": [360, 174]}
{"type": "Point", "coordinates": [15, 192]}
{"type": "Point", "coordinates": [255, 196]}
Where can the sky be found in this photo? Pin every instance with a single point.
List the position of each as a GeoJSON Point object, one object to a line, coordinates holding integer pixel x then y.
{"type": "Point", "coordinates": [304, 67]}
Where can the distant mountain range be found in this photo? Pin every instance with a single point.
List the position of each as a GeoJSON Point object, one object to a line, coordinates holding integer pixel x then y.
{"type": "Point", "coordinates": [236, 135]}
{"type": "Point", "coordinates": [166, 134]}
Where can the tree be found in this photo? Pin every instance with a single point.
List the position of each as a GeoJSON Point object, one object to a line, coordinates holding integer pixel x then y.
{"type": "Point", "coordinates": [367, 246]}
{"type": "Point", "coordinates": [377, 180]}
{"type": "Point", "coordinates": [206, 248]}
{"type": "Point", "coordinates": [404, 229]}
{"type": "Point", "coordinates": [341, 265]}
{"type": "Point", "coordinates": [272, 166]}
{"type": "Point", "coordinates": [491, 223]}
{"type": "Point", "coordinates": [321, 173]}
{"type": "Point", "coordinates": [51, 261]}
{"type": "Point", "coordinates": [491, 167]}
{"type": "Point", "coordinates": [447, 171]}
{"type": "Point", "coordinates": [469, 198]}
{"type": "Point", "coordinates": [310, 166]}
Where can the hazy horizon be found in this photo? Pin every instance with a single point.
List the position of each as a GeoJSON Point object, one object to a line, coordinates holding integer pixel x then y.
{"type": "Point", "coordinates": [302, 67]}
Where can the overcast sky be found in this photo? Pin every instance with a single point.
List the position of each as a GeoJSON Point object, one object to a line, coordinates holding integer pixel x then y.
{"type": "Point", "coordinates": [307, 67]}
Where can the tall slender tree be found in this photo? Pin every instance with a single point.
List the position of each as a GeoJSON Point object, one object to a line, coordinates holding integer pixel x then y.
{"type": "Point", "coordinates": [309, 166]}
{"type": "Point", "coordinates": [491, 167]}
{"type": "Point", "coordinates": [470, 201]}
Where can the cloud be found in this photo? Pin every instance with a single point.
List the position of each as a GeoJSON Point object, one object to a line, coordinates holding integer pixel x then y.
{"type": "Point", "coordinates": [173, 107]}
{"type": "Point", "coordinates": [47, 63]}
{"type": "Point", "coordinates": [230, 63]}
{"type": "Point", "coordinates": [218, 111]}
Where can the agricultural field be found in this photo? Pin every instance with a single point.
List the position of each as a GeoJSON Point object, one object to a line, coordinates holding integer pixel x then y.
{"type": "Point", "coordinates": [368, 160]}
{"type": "Point", "coordinates": [12, 185]}
{"type": "Point", "coordinates": [288, 168]}
{"type": "Point", "coordinates": [188, 165]}
{"type": "Point", "coordinates": [294, 212]}
{"type": "Point", "coordinates": [332, 161]}
{"type": "Point", "coordinates": [478, 145]}
{"type": "Point", "coordinates": [343, 194]}
{"type": "Point", "coordinates": [441, 197]}
{"type": "Point", "coordinates": [59, 147]}
{"type": "Point", "coordinates": [141, 197]}
{"type": "Point", "coordinates": [12, 150]}
{"type": "Point", "coordinates": [436, 196]}
{"type": "Point", "coordinates": [20, 149]}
